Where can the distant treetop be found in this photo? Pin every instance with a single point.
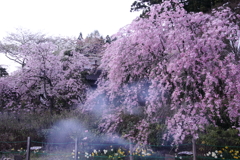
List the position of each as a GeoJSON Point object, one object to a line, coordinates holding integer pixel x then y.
{"type": "Point", "coordinates": [3, 72]}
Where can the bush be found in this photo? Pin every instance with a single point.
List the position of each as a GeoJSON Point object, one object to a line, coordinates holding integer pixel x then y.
{"type": "Point", "coordinates": [220, 137]}
{"type": "Point", "coordinates": [15, 127]}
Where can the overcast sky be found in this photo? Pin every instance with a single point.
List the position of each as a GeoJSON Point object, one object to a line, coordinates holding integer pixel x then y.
{"type": "Point", "coordinates": [65, 17]}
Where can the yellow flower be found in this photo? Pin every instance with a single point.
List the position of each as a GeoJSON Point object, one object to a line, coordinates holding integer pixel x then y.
{"type": "Point", "coordinates": [226, 147]}
{"type": "Point", "coordinates": [219, 152]}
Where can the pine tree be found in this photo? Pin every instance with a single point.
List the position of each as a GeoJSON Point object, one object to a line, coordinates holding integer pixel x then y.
{"type": "Point", "coordinates": [3, 72]}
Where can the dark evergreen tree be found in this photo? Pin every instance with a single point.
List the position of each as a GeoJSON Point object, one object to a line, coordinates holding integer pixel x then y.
{"type": "Point", "coordinates": [3, 72]}
{"type": "Point", "coordinates": [143, 5]}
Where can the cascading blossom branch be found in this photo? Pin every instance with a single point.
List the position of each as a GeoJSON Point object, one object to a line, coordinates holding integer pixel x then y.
{"type": "Point", "coordinates": [190, 62]}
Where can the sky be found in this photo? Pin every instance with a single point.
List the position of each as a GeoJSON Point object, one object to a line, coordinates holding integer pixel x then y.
{"type": "Point", "coordinates": [64, 17]}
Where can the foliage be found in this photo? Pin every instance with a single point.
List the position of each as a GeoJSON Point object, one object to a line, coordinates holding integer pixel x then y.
{"type": "Point", "coordinates": [189, 5]}
{"type": "Point", "coordinates": [3, 72]}
{"type": "Point", "coordinates": [17, 127]}
{"type": "Point", "coordinates": [143, 5]}
{"type": "Point", "coordinates": [174, 65]}
{"type": "Point", "coordinates": [5, 92]}
{"type": "Point", "coordinates": [220, 137]}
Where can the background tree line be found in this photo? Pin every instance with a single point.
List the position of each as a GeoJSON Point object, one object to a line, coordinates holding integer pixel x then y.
{"type": "Point", "coordinates": [190, 5]}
